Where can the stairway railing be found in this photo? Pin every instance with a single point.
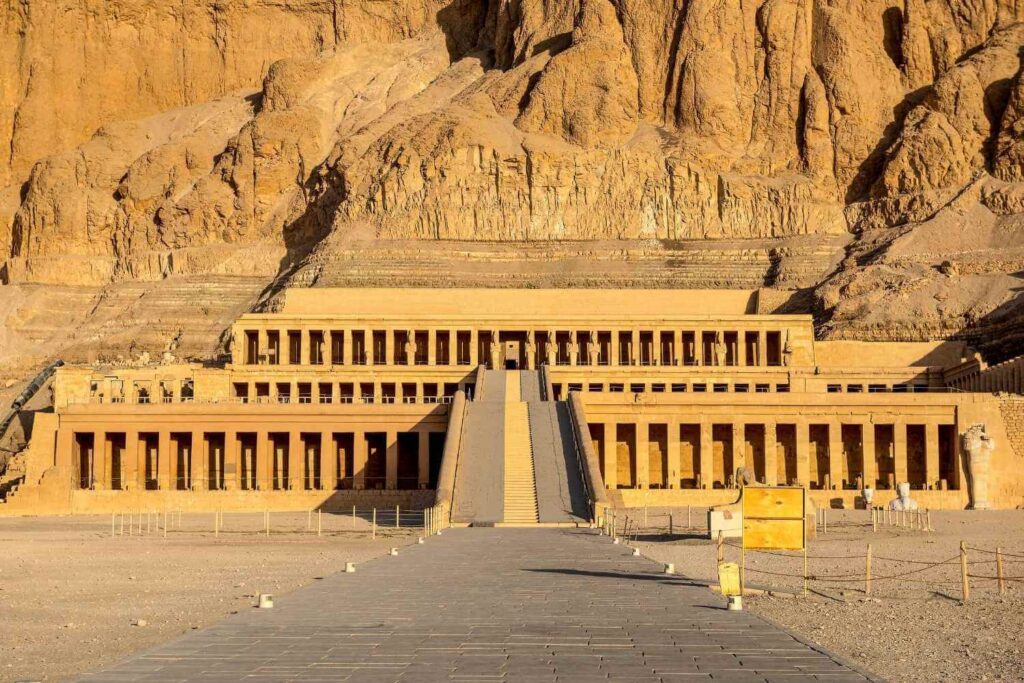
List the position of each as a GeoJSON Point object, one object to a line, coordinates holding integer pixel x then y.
{"type": "Point", "coordinates": [587, 458]}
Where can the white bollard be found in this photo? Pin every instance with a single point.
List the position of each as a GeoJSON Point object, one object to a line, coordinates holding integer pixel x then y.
{"type": "Point", "coordinates": [636, 552]}
{"type": "Point", "coordinates": [266, 601]}
{"type": "Point", "coordinates": [350, 567]}
{"type": "Point", "coordinates": [670, 568]}
{"type": "Point", "coordinates": [615, 541]}
{"type": "Point", "coordinates": [419, 540]}
{"type": "Point", "coordinates": [735, 603]}
{"type": "Point", "coordinates": [394, 551]}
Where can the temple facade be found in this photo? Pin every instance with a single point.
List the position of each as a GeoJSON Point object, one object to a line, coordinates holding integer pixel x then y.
{"type": "Point", "coordinates": [472, 397]}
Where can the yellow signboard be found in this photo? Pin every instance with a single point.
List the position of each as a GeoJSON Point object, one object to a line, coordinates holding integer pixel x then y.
{"type": "Point", "coordinates": [773, 518]}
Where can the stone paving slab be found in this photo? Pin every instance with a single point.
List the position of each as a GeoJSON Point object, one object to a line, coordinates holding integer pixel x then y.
{"type": "Point", "coordinates": [507, 605]}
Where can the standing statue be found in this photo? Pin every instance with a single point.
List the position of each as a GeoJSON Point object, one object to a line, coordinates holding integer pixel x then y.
{"type": "Point", "coordinates": [787, 352]}
{"type": "Point", "coordinates": [410, 347]}
{"type": "Point", "coordinates": [593, 349]}
{"type": "Point", "coordinates": [978, 447]}
{"type": "Point", "coordinates": [495, 350]}
{"type": "Point", "coordinates": [531, 350]}
{"type": "Point", "coordinates": [231, 345]}
{"type": "Point", "coordinates": [721, 352]}
{"type": "Point", "coordinates": [550, 349]}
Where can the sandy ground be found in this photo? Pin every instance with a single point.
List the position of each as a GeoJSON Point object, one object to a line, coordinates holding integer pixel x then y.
{"type": "Point", "coordinates": [70, 593]}
{"type": "Point", "coordinates": [913, 627]}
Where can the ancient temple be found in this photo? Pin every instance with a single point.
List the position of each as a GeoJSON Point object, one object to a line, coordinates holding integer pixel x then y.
{"type": "Point", "coordinates": [522, 406]}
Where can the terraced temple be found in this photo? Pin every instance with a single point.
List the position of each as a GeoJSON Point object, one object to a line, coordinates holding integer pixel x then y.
{"type": "Point", "coordinates": [523, 407]}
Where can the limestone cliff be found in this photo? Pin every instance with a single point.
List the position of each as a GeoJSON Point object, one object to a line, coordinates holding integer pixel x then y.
{"type": "Point", "coordinates": [870, 150]}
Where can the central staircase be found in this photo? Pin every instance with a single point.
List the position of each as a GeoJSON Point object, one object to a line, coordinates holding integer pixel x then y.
{"type": "Point", "coordinates": [520, 478]}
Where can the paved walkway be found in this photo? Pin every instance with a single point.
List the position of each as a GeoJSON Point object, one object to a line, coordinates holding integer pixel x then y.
{"type": "Point", "coordinates": [532, 605]}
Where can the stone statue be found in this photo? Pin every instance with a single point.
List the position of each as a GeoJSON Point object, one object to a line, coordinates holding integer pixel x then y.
{"type": "Point", "coordinates": [550, 349]}
{"type": "Point", "coordinates": [231, 344]}
{"type": "Point", "coordinates": [978, 447]}
{"type": "Point", "coordinates": [531, 350]}
{"type": "Point", "coordinates": [869, 495]}
{"type": "Point", "coordinates": [593, 350]}
{"type": "Point", "coordinates": [903, 501]}
{"type": "Point", "coordinates": [410, 347]}
{"type": "Point", "coordinates": [787, 352]}
{"type": "Point", "coordinates": [495, 350]}
{"type": "Point", "coordinates": [721, 353]}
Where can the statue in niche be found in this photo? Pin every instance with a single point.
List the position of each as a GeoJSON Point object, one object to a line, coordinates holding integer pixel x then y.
{"type": "Point", "coordinates": [593, 349]}
{"type": "Point", "coordinates": [495, 350]}
{"type": "Point", "coordinates": [978, 447]}
{"type": "Point", "coordinates": [531, 349]}
{"type": "Point", "coordinates": [550, 350]}
{"type": "Point", "coordinates": [410, 347]}
{"type": "Point", "coordinates": [721, 352]}
{"type": "Point", "coordinates": [787, 352]}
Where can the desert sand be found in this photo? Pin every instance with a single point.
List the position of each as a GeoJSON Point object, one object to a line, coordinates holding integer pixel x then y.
{"type": "Point", "coordinates": [75, 599]}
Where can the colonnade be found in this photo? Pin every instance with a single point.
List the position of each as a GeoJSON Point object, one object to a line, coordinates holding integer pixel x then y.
{"type": "Point", "coordinates": [821, 454]}
{"type": "Point", "coordinates": [650, 345]}
{"type": "Point", "coordinates": [263, 460]}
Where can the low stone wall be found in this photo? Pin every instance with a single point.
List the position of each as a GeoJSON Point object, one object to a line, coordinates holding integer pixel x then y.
{"type": "Point", "coordinates": [100, 502]}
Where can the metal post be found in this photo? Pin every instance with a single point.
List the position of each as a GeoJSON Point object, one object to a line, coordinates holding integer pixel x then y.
{"type": "Point", "coordinates": [689, 511]}
{"type": "Point", "coordinates": [113, 516]}
{"type": "Point", "coordinates": [963, 571]}
{"type": "Point", "coordinates": [353, 516]}
{"type": "Point", "coordinates": [867, 572]}
{"type": "Point", "coordinates": [266, 521]}
{"type": "Point", "coordinates": [319, 521]}
{"type": "Point", "coordinates": [398, 517]}
{"type": "Point", "coordinates": [999, 571]}
{"type": "Point", "coordinates": [373, 531]}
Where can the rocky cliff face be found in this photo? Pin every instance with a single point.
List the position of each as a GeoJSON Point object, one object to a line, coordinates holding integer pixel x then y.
{"type": "Point", "coordinates": [871, 150]}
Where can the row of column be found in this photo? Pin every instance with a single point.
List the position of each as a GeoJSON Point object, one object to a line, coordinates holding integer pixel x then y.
{"type": "Point", "coordinates": [800, 448]}
{"type": "Point", "coordinates": [472, 347]}
{"type": "Point", "coordinates": [347, 392]}
{"type": "Point", "coordinates": [233, 460]}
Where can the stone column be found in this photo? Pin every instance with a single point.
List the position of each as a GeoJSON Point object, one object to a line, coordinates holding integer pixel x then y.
{"type": "Point", "coordinates": [762, 348]}
{"type": "Point", "coordinates": [431, 347]}
{"type": "Point", "coordinates": [611, 453]}
{"type": "Point", "coordinates": [305, 346]}
{"type": "Point", "coordinates": [359, 458]}
{"type": "Point", "coordinates": [262, 345]}
{"type": "Point", "coordinates": [677, 347]}
{"type": "Point", "coordinates": [673, 453]}
{"type": "Point", "coordinates": [130, 461]}
{"type": "Point", "coordinates": [643, 454]}
{"type": "Point", "coordinates": [164, 458]}
{"type": "Point", "coordinates": [835, 453]}
{"type": "Point", "coordinates": [899, 430]}
{"type": "Point", "coordinates": [232, 466]}
{"type": "Point", "coordinates": [803, 457]}
{"type": "Point", "coordinates": [771, 455]}
{"type": "Point", "coordinates": [741, 348]}
{"type": "Point", "coordinates": [474, 348]}
{"type": "Point", "coordinates": [200, 476]}
{"type": "Point", "coordinates": [264, 462]}
{"type": "Point", "coordinates": [656, 346]}
{"type": "Point", "coordinates": [295, 460]}
{"type": "Point", "coordinates": [423, 459]}
{"type": "Point", "coordinates": [100, 462]}
{"type": "Point", "coordinates": [284, 347]}
{"type": "Point", "coordinates": [328, 462]}
{"type": "Point", "coordinates": [391, 463]}
{"type": "Point", "coordinates": [346, 346]}
{"type": "Point", "coordinates": [707, 462]}
{"type": "Point", "coordinates": [698, 346]}
{"type": "Point", "coordinates": [574, 355]}
{"type": "Point", "coordinates": [931, 455]}
{"type": "Point", "coordinates": [614, 349]}
{"type": "Point", "coordinates": [739, 448]}
{"type": "Point", "coordinates": [867, 437]}
{"type": "Point", "coordinates": [634, 350]}
{"type": "Point", "coordinates": [389, 346]}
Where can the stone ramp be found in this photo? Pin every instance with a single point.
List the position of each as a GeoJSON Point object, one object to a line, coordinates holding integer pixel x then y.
{"type": "Point", "coordinates": [479, 494]}
{"type": "Point", "coordinates": [561, 493]}
{"type": "Point", "coordinates": [538, 605]}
